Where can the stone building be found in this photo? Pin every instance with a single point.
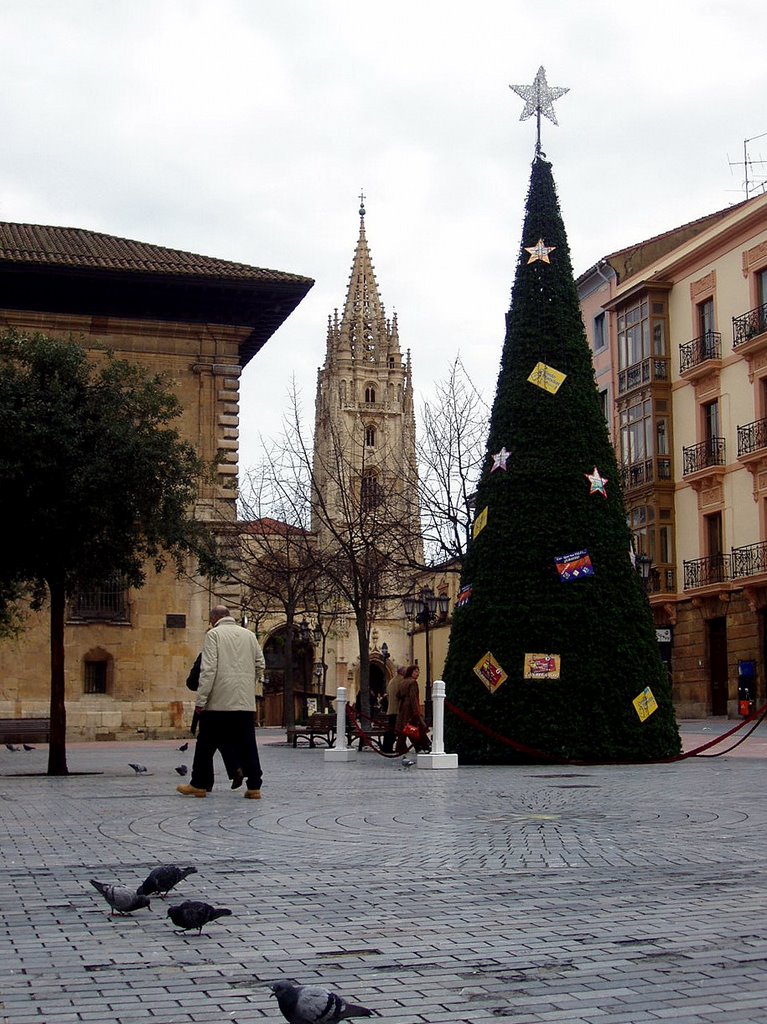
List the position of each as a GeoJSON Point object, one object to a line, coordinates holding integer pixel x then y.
{"type": "Point", "coordinates": [678, 326]}
{"type": "Point", "coordinates": [200, 321]}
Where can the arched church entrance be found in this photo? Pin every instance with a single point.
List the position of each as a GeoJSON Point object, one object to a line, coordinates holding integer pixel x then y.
{"type": "Point", "coordinates": [378, 681]}
{"type": "Point", "coordinates": [304, 680]}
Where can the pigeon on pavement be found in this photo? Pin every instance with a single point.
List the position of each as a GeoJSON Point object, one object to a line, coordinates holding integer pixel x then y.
{"type": "Point", "coordinates": [139, 769]}
{"type": "Point", "coordinates": [27, 747]}
{"type": "Point", "coordinates": [312, 1004]}
{"type": "Point", "coordinates": [184, 746]}
{"type": "Point", "coordinates": [10, 746]}
{"type": "Point", "coordinates": [182, 769]}
{"type": "Point", "coordinates": [407, 762]}
{"type": "Point", "coordinates": [162, 879]}
{"type": "Point", "coordinates": [121, 899]}
{"type": "Point", "coordinates": [194, 914]}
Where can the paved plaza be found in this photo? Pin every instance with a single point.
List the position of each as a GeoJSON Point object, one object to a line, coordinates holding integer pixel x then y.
{"type": "Point", "coordinates": [558, 893]}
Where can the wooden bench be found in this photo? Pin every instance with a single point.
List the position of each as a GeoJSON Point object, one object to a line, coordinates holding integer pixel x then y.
{"type": "Point", "coordinates": [318, 727]}
{"type": "Point", "coordinates": [375, 729]}
{"type": "Point", "coordinates": [25, 730]}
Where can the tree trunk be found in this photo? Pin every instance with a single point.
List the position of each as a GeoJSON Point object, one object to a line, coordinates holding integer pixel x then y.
{"type": "Point", "coordinates": [364, 644]}
{"type": "Point", "coordinates": [57, 750]}
{"type": "Point", "coordinates": [288, 699]}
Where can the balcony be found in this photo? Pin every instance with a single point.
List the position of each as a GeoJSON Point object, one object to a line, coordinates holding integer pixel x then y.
{"type": "Point", "coordinates": [752, 437]}
{"type": "Point", "coordinates": [748, 327]}
{"type": "Point", "coordinates": [699, 457]}
{"type": "Point", "coordinates": [749, 560]}
{"type": "Point", "coordinates": [661, 580]}
{"type": "Point", "coordinates": [707, 572]}
{"type": "Point", "coordinates": [646, 372]}
{"type": "Point", "coordinates": [697, 356]}
{"type": "Point", "coordinates": [649, 471]}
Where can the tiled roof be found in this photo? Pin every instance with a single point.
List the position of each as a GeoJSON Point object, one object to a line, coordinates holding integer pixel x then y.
{"type": "Point", "coordinates": [75, 248]}
{"type": "Point", "coordinates": [267, 527]}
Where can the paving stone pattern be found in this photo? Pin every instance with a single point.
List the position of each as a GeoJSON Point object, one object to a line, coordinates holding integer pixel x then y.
{"type": "Point", "coordinates": [588, 895]}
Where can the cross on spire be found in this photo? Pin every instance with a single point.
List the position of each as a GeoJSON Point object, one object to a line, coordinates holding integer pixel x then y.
{"type": "Point", "coordinates": [539, 99]}
{"type": "Point", "coordinates": [362, 203]}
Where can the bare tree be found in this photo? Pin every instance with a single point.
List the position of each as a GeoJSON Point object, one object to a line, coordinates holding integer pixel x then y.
{"type": "Point", "coordinates": [451, 454]}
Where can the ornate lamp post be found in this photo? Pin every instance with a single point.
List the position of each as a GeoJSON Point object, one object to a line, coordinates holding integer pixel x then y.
{"type": "Point", "coordinates": [643, 566]}
{"type": "Point", "coordinates": [423, 610]}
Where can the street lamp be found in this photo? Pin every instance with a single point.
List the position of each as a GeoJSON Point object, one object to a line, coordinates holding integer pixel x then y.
{"type": "Point", "coordinates": [423, 610]}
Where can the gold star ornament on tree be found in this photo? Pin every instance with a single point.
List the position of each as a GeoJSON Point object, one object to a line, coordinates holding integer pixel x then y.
{"type": "Point", "coordinates": [539, 251]}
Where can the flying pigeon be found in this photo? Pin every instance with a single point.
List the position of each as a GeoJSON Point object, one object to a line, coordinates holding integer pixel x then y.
{"type": "Point", "coordinates": [27, 747]}
{"type": "Point", "coordinates": [184, 746]}
{"type": "Point", "coordinates": [139, 769]}
{"type": "Point", "coordinates": [121, 899]}
{"type": "Point", "coordinates": [161, 880]}
{"type": "Point", "coordinates": [182, 769]}
{"type": "Point", "coordinates": [10, 746]}
{"type": "Point", "coordinates": [312, 1004]}
{"type": "Point", "coordinates": [194, 914]}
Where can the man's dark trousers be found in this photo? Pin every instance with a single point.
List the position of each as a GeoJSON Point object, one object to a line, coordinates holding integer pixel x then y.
{"type": "Point", "coordinates": [234, 734]}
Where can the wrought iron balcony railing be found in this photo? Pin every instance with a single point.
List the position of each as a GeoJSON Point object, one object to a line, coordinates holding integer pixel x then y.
{"type": "Point", "coordinates": [700, 456]}
{"type": "Point", "coordinates": [649, 370]}
{"type": "Point", "coordinates": [699, 350]}
{"type": "Point", "coordinates": [749, 560]}
{"type": "Point", "coordinates": [637, 474]}
{"type": "Point", "coordinates": [747, 326]}
{"type": "Point", "coordinates": [661, 580]}
{"type": "Point", "coordinates": [752, 437]}
{"type": "Point", "coordinates": [703, 572]}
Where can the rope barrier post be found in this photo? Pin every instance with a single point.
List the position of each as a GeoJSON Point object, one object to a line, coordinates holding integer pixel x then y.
{"type": "Point", "coordinates": [437, 758]}
{"type": "Point", "coordinates": [341, 752]}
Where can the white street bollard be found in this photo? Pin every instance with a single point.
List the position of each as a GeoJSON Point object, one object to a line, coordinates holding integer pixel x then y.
{"type": "Point", "coordinates": [340, 752]}
{"type": "Point", "coordinates": [437, 758]}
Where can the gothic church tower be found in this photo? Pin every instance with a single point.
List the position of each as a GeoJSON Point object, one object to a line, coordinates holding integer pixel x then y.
{"type": "Point", "coordinates": [365, 445]}
{"type": "Point", "coordinates": [364, 402]}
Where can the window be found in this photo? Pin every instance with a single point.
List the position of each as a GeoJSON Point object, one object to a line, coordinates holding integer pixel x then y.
{"type": "Point", "coordinates": [600, 336]}
{"type": "Point", "coordinates": [714, 544]}
{"type": "Point", "coordinates": [95, 677]}
{"type": "Point", "coordinates": [370, 394]}
{"type": "Point", "coordinates": [370, 437]}
{"type": "Point", "coordinates": [637, 432]}
{"type": "Point", "coordinates": [604, 404]}
{"type": "Point", "coordinates": [370, 491]}
{"type": "Point", "coordinates": [633, 335]}
{"type": "Point", "coordinates": [761, 287]}
{"type": "Point", "coordinates": [711, 420]}
{"type": "Point", "coordinates": [103, 600]}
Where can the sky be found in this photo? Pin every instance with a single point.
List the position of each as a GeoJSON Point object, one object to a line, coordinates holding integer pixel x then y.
{"type": "Point", "coordinates": [246, 130]}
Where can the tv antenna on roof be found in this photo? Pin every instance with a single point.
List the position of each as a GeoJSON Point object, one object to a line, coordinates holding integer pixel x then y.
{"type": "Point", "coordinates": [748, 163]}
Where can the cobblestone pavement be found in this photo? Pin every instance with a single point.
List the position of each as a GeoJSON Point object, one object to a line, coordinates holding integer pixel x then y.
{"type": "Point", "coordinates": [528, 894]}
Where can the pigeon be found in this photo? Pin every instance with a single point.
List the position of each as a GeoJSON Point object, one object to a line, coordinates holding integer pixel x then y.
{"type": "Point", "coordinates": [194, 914]}
{"type": "Point", "coordinates": [10, 746]}
{"type": "Point", "coordinates": [407, 762]}
{"type": "Point", "coordinates": [312, 1004]}
{"type": "Point", "coordinates": [161, 880]}
{"type": "Point", "coordinates": [121, 899]}
{"type": "Point", "coordinates": [27, 747]}
{"type": "Point", "coordinates": [181, 769]}
{"type": "Point", "coordinates": [139, 769]}
{"type": "Point", "coordinates": [184, 746]}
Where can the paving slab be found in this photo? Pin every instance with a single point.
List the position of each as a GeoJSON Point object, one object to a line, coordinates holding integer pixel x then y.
{"type": "Point", "coordinates": [586, 894]}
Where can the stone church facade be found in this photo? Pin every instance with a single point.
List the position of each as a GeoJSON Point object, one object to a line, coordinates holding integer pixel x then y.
{"type": "Point", "coordinates": [199, 321]}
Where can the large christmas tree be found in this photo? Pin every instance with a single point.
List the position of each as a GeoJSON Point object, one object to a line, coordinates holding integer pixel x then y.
{"type": "Point", "coordinates": [552, 645]}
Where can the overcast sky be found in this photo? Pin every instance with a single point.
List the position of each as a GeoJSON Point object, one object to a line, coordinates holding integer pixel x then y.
{"type": "Point", "coordinates": [245, 129]}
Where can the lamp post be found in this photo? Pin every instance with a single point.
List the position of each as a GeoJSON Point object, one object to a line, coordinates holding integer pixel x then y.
{"type": "Point", "coordinates": [423, 610]}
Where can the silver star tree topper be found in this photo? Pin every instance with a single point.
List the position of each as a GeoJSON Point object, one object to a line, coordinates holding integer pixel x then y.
{"type": "Point", "coordinates": [539, 99]}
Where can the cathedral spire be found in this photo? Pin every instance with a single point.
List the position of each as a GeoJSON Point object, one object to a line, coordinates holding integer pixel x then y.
{"type": "Point", "coordinates": [363, 323]}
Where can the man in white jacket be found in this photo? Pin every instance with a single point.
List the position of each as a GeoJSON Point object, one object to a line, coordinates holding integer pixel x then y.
{"type": "Point", "coordinates": [231, 674]}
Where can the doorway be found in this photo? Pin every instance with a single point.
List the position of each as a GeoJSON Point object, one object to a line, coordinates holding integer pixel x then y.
{"type": "Point", "coordinates": [716, 637]}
